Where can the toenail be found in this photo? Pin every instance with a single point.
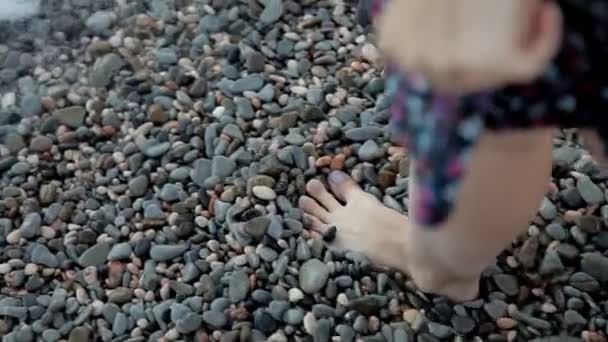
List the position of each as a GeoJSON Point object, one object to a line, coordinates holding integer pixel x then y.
{"type": "Point", "coordinates": [337, 177]}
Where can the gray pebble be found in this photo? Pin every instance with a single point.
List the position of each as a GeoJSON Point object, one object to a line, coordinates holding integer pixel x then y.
{"type": "Point", "coordinates": [363, 133]}
{"type": "Point", "coordinates": [30, 227]}
{"type": "Point", "coordinates": [551, 264]}
{"type": "Point", "coordinates": [507, 283]}
{"type": "Point", "coordinates": [547, 209]}
{"type": "Point", "coordinates": [215, 319]}
{"type": "Point", "coordinates": [272, 12]}
{"type": "Point", "coordinates": [120, 326]}
{"type": "Point", "coordinates": [100, 21]}
{"type": "Point", "coordinates": [104, 70]}
{"type": "Point", "coordinates": [294, 316]}
{"type": "Point", "coordinates": [95, 255]}
{"type": "Point", "coordinates": [120, 251]}
{"type": "Point", "coordinates": [190, 323]}
{"type": "Point", "coordinates": [42, 256]}
{"type": "Point", "coordinates": [138, 186]}
{"type": "Point", "coordinates": [170, 192]}
{"type": "Point", "coordinates": [369, 151]}
{"type": "Point", "coordinates": [238, 286]}
{"type": "Point", "coordinates": [596, 265]}
{"type": "Point", "coordinates": [313, 276]}
{"type": "Point", "coordinates": [590, 192]}
{"type": "Point", "coordinates": [222, 167]}
{"type": "Point", "coordinates": [168, 252]}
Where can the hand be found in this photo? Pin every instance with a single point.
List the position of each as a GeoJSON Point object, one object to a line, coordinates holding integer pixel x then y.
{"type": "Point", "coordinates": [466, 46]}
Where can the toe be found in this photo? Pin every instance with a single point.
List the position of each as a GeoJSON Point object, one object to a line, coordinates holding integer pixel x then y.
{"type": "Point", "coordinates": [343, 186]}
{"type": "Point", "coordinates": [315, 224]}
{"type": "Point", "coordinates": [311, 207]}
{"type": "Point", "coordinates": [318, 191]}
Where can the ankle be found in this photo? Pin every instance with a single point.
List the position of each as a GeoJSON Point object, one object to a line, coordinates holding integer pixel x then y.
{"type": "Point", "coordinates": [445, 282]}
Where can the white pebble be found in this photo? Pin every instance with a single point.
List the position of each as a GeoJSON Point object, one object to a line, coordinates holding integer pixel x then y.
{"type": "Point", "coordinates": [5, 268]}
{"type": "Point", "coordinates": [218, 112]}
{"type": "Point", "coordinates": [13, 237]}
{"type": "Point", "coordinates": [172, 335]}
{"type": "Point", "coordinates": [201, 221]}
{"type": "Point", "coordinates": [30, 269]}
{"type": "Point", "coordinates": [264, 192]}
{"type": "Point", "coordinates": [295, 295]}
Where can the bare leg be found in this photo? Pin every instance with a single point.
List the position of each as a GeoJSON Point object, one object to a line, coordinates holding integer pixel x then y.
{"type": "Point", "coordinates": [503, 187]}
{"type": "Point", "coordinates": [500, 193]}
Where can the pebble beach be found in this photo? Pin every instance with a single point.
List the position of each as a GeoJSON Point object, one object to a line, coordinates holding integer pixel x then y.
{"type": "Point", "coordinates": [152, 154]}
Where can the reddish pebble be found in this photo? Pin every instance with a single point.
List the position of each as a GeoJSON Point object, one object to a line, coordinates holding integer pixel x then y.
{"type": "Point", "coordinates": [338, 162]}
{"type": "Point", "coordinates": [506, 323]}
{"type": "Point", "coordinates": [323, 161]}
{"type": "Point", "coordinates": [571, 216]}
{"type": "Point", "coordinates": [592, 336]}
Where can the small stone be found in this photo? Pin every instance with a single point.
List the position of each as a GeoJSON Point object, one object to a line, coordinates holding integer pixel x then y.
{"type": "Point", "coordinates": [157, 114]}
{"type": "Point", "coordinates": [120, 295]}
{"type": "Point", "coordinates": [330, 234]}
{"type": "Point", "coordinates": [590, 192]}
{"type": "Point", "coordinates": [170, 192]}
{"type": "Point", "coordinates": [256, 227]}
{"type": "Point", "coordinates": [440, 330]}
{"type": "Point", "coordinates": [463, 324]}
{"type": "Point", "coordinates": [202, 169]}
{"type": "Point", "coordinates": [42, 256]}
{"type": "Point", "coordinates": [138, 186]}
{"type": "Point", "coordinates": [189, 323]}
{"type": "Point", "coordinates": [596, 265]}
{"type": "Point", "coordinates": [238, 286]}
{"type": "Point", "coordinates": [369, 151]}
{"type": "Point", "coordinates": [104, 70]}
{"type": "Point", "coordinates": [248, 83]}
{"type": "Point", "coordinates": [507, 283]}
{"type": "Point", "coordinates": [414, 318]}
{"type": "Point", "coordinates": [48, 194]}
{"type": "Point", "coordinates": [294, 316]}
{"type": "Point", "coordinates": [41, 143]}
{"type": "Point", "coordinates": [495, 308]}
{"type": "Point", "coordinates": [215, 319]}
{"type": "Point", "coordinates": [95, 255]}
{"type": "Point", "coordinates": [322, 332]}
{"type": "Point", "coordinates": [264, 193]}
{"type": "Point", "coordinates": [573, 318]}
{"type": "Point", "coordinates": [551, 264]}
{"type": "Point", "coordinates": [255, 62]}
{"type": "Point", "coordinates": [588, 224]}
{"type": "Point", "coordinates": [272, 12]}
{"type": "Point", "coordinates": [556, 231]}
{"type": "Point", "coordinates": [100, 21]}
{"type": "Point", "coordinates": [80, 334]}
{"type": "Point", "coordinates": [72, 117]}
{"type": "Point", "coordinates": [166, 56]}
{"type": "Point", "coordinates": [363, 133]}
{"type": "Point", "coordinates": [167, 252]}
{"type": "Point", "coordinates": [30, 226]}
{"type": "Point", "coordinates": [313, 276]}
{"type": "Point", "coordinates": [527, 253]}
{"type": "Point", "coordinates": [584, 282]}
{"type": "Point", "coordinates": [547, 209]}
{"type": "Point", "coordinates": [120, 251]}
{"type": "Point", "coordinates": [506, 323]}
{"type": "Point", "coordinates": [295, 295]}
{"type": "Point", "coordinates": [50, 335]}
{"type": "Point", "coordinates": [222, 167]}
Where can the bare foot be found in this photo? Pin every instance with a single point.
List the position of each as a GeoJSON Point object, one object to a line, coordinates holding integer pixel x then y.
{"type": "Point", "coordinates": [366, 226]}
{"type": "Point", "coordinates": [363, 224]}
